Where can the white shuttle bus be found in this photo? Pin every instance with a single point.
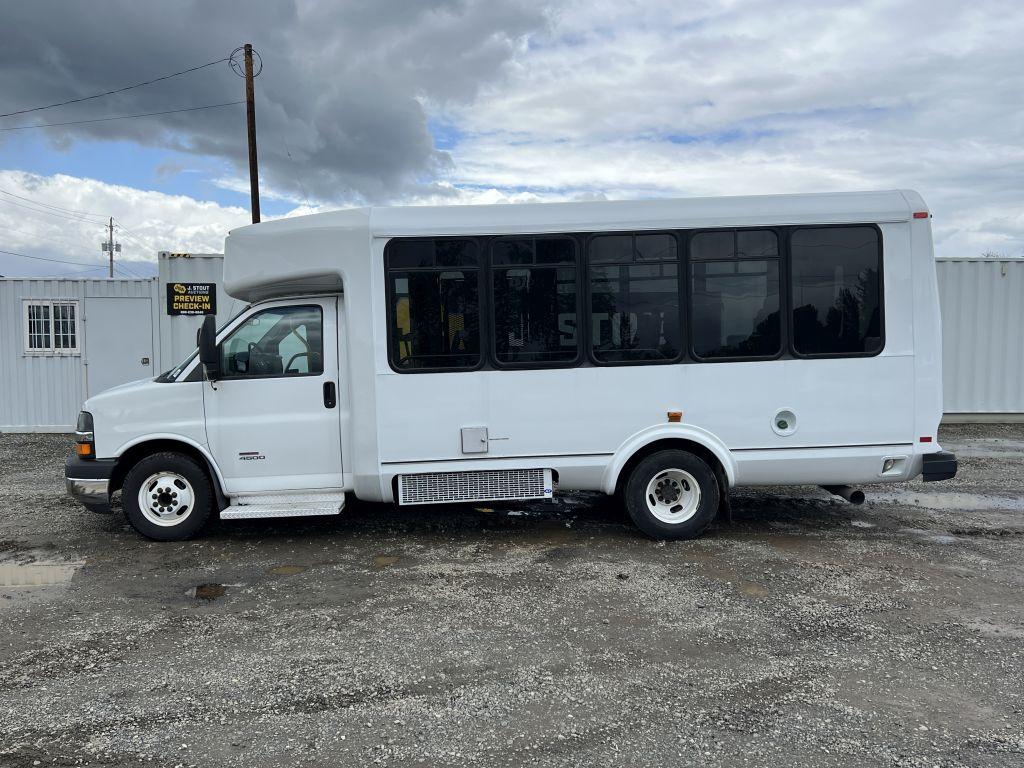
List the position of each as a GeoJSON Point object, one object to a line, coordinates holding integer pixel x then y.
{"type": "Point", "coordinates": [665, 351]}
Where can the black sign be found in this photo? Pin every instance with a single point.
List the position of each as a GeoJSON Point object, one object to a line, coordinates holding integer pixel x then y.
{"type": "Point", "coordinates": [191, 298]}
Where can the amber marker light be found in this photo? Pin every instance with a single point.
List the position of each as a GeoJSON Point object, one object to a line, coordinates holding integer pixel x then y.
{"type": "Point", "coordinates": [83, 449]}
{"type": "Point", "coordinates": [674, 417]}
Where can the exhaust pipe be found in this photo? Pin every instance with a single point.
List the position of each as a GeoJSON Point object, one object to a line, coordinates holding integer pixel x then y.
{"type": "Point", "coordinates": [852, 495]}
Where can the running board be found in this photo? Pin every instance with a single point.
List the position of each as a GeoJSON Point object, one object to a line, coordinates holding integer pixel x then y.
{"type": "Point", "coordinates": [283, 505]}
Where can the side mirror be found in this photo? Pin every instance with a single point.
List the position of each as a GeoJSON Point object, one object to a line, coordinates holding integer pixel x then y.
{"type": "Point", "coordinates": [208, 354]}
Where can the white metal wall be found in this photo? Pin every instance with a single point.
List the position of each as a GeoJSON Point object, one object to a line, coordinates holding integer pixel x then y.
{"type": "Point", "coordinates": [44, 392]}
{"type": "Point", "coordinates": [178, 334]}
{"type": "Point", "coordinates": [982, 303]}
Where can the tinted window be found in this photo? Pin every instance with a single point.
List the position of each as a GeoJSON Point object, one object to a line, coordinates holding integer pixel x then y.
{"type": "Point", "coordinates": [634, 297]}
{"type": "Point", "coordinates": [734, 294]}
{"type": "Point", "coordinates": [411, 254]}
{"type": "Point", "coordinates": [435, 316]}
{"type": "Point", "coordinates": [836, 290]}
{"type": "Point", "coordinates": [283, 341]}
{"type": "Point", "coordinates": [534, 300]}
{"type": "Point", "coordinates": [434, 310]}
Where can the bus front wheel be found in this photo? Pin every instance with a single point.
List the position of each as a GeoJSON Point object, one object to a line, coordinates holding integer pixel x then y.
{"type": "Point", "coordinates": [167, 496]}
{"type": "Point", "coordinates": [672, 494]}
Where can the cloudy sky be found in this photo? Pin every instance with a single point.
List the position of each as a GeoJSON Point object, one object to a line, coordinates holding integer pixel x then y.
{"type": "Point", "coordinates": [457, 101]}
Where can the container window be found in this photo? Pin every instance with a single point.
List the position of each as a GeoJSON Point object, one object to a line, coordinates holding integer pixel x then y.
{"type": "Point", "coordinates": [51, 326]}
{"type": "Point", "coordinates": [836, 284]}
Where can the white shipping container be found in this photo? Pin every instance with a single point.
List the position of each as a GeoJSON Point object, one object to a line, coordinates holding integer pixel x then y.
{"type": "Point", "coordinates": [982, 305]}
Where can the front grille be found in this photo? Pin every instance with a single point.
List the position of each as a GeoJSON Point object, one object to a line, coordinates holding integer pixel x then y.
{"type": "Point", "coordinates": [487, 485]}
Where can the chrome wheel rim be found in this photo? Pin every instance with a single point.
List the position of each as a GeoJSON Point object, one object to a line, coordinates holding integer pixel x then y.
{"type": "Point", "coordinates": [166, 499]}
{"type": "Point", "coordinates": [673, 496]}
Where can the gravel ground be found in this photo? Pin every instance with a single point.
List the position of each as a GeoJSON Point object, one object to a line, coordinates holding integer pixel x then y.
{"type": "Point", "coordinates": [809, 632]}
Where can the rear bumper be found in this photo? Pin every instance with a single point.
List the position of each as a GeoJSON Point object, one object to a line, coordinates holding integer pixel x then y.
{"type": "Point", "coordinates": [89, 481]}
{"type": "Point", "coordinates": [938, 466]}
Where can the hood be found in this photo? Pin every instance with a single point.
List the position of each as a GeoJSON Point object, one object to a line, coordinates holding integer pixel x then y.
{"type": "Point", "coordinates": [104, 397]}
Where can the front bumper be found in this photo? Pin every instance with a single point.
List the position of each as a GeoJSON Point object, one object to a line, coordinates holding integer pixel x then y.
{"type": "Point", "coordinates": [938, 466]}
{"type": "Point", "coordinates": [88, 481]}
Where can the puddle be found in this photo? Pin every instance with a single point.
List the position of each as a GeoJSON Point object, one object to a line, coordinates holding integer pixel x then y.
{"type": "Point", "coordinates": [994, 630]}
{"type": "Point", "coordinates": [384, 561]}
{"type": "Point", "coordinates": [287, 570]}
{"type": "Point", "coordinates": [968, 502]}
{"type": "Point", "coordinates": [788, 542]}
{"type": "Point", "coordinates": [206, 591]}
{"type": "Point", "coordinates": [753, 590]}
{"type": "Point", "coordinates": [935, 538]}
{"type": "Point", "coordinates": [37, 574]}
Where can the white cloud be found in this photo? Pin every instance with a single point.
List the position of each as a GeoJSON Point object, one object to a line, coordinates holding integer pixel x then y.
{"type": "Point", "coordinates": [751, 97]}
{"type": "Point", "coordinates": [152, 222]}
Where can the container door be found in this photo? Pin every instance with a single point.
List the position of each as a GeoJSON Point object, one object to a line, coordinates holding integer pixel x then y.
{"type": "Point", "coordinates": [118, 341]}
{"type": "Point", "coordinates": [272, 421]}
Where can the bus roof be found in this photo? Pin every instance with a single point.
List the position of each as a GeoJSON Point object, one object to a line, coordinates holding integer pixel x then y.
{"type": "Point", "coordinates": [596, 215]}
{"type": "Point", "coordinates": [318, 251]}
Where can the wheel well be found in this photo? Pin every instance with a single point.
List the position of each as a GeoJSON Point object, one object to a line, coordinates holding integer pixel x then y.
{"type": "Point", "coordinates": [674, 443]}
{"type": "Point", "coordinates": [133, 455]}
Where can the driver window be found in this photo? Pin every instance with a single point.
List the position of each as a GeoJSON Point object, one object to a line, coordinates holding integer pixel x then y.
{"type": "Point", "coordinates": [283, 341]}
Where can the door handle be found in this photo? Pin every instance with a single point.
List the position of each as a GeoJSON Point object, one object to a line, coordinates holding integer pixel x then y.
{"type": "Point", "coordinates": [330, 395]}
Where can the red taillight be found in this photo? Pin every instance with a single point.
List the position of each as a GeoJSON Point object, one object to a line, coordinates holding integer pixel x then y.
{"type": "Point", "coordinates": [921, 215]}
{"type": "Point", "coordinates": [926, 439]}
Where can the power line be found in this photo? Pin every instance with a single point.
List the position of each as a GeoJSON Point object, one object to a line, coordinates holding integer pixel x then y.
{"type": "Point", "coordinates": [124, 233]}
{"type": "Point", "coordinates": [43, 258]}
{"type": "Point", "coordinates": [48, 205]}
{"type": "Point", "coordinates": [117, 90]}
{"type": "Point", "coordinates": [59, 241]}
{"type": "Point", "coordinates": [51, 213]}
{"type": "Point", "coordinates": [124, 229]}
{"type": "Point", "coordinates": [122, 117]}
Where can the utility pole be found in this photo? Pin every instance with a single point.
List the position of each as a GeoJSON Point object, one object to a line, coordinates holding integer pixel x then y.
{"type": "Point", "coordinates": [110, 246]}
{"type": "Point", "coordinates": [250, 114]}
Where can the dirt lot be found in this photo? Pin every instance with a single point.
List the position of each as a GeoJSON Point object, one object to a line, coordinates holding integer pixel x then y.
{"type": "Point", "coordinates": [808, 633]}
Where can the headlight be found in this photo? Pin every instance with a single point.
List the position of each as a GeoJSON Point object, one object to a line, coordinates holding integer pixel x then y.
{"type": "Point", "coordinates": [84, 437]}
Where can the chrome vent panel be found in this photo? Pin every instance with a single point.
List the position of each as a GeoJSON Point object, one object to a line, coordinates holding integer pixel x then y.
{"type": "Point", "coordinates": [486, 485]}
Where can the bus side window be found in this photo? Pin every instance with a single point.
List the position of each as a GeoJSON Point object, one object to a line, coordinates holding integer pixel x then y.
{"type": "Point", "coordinates": [634, 297]}
{"type": "Point", "coordinates": [734, 294]}
{"type": "Point", "coordinates": [434, 307]}
{"type": "Point", "coordinates": [837, 304]}
{"type": "Point", "coordinates": [534, 298]}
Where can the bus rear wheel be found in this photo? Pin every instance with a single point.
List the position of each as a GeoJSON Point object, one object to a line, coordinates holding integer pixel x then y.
{"type": "Point", "coordinates": [672, 494]}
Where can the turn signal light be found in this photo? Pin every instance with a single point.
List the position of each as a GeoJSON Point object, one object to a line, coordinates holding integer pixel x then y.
{"type": "Point", "coordinates": [675, 417]}
{"type": "Point", "coordinates": [83, 449]}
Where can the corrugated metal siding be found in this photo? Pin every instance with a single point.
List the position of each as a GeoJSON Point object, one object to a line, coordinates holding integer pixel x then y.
{"type": "Point", "coordinates": [178, 334]}
{"type": "Point", "coordinates": [982, 304]}
{"type": "Point", "coordinates": [45, 392]}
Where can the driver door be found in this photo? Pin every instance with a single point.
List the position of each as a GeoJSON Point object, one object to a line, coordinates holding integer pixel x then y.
{"type": "Point", "coordinates": [272, 419]}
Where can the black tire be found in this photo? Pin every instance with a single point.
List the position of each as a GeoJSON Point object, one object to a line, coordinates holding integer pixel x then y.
{"type": "Point", "coordinates": [678, 471]}
{"type": "Point", "coordinates": [196, 481]}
